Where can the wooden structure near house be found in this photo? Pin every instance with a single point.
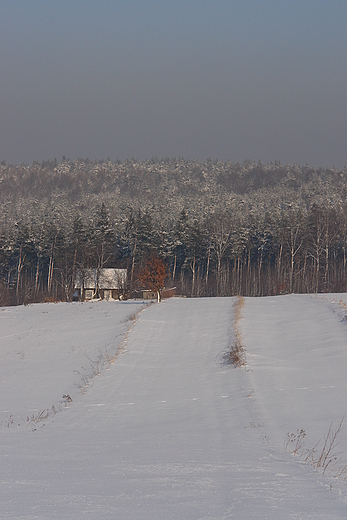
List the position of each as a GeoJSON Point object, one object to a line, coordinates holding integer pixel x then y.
{"type": "Point", "coordinates": [145, 294]}
{"type": "Point", "coordinates": [149, 295]}
{"type": "Point", "coordinates": [168, 293]}
{"type": "Point", "coordinates": [105, 283]}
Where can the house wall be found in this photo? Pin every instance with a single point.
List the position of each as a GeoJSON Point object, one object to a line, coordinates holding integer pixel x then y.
{"type": "Point", "coordinates": [149, 295]}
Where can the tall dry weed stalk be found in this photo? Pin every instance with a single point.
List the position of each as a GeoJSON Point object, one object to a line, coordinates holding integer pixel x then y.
{"type": "Point", "coordinates": [344, 306]}
{"type": "Point", "coordinates": [236, 356]}
{"type": "Point", "coordinates": [326, 459]}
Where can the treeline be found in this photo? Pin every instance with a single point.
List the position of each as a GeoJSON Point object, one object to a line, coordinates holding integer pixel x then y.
{"type": "Point", "coordinates": [222, 228]}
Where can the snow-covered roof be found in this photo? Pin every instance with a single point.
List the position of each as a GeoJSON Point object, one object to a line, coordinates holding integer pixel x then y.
{"type": "Point", "coordinates": [105, 278]}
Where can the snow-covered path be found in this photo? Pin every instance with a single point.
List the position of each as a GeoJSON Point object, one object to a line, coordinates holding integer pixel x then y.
{"type": "Point", "coordinates": [170, 432]}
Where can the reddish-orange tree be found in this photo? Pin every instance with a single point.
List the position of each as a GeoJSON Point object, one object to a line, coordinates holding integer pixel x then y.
{"type": "Point", "coordinates": [153, 275]}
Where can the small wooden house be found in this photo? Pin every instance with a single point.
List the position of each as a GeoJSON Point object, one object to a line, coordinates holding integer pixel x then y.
{"type": "Point", "coordinates": [149, 295]}
{"type": "Point", "coordinates": [105, 283]}
{"type": "Point", "coordinates": [145, 294]}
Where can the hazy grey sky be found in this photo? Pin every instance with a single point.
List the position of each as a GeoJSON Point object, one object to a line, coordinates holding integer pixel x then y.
{"type": "Point", "coordinates": [227, 79]}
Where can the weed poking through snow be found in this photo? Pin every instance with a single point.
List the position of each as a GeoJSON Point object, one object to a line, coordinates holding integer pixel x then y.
{"type": "Point", "coordinates": [325, 459]}
{"type": "Point", "coordinates": [236, 355]}
{"type": "Point", "coordinates": [295, 442]}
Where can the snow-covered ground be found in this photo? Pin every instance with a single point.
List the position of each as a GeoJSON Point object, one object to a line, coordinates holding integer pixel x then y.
{"type": "Point", "coordinates": [121, 410]}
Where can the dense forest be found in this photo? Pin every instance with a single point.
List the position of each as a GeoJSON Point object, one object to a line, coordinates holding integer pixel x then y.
{"type": "Point", "coordinates": [222, 228]}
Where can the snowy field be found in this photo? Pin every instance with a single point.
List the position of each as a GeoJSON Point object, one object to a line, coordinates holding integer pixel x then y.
{"type": "Point", "coordinates": [119, 410]}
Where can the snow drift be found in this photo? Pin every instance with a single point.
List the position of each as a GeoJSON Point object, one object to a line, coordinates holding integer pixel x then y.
{"type": "Point", "coordinates": [103, 416]}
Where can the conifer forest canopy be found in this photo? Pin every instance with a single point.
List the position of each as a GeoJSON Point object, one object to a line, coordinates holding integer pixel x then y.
{"type": "Point", "coordinates": [222, 228]}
